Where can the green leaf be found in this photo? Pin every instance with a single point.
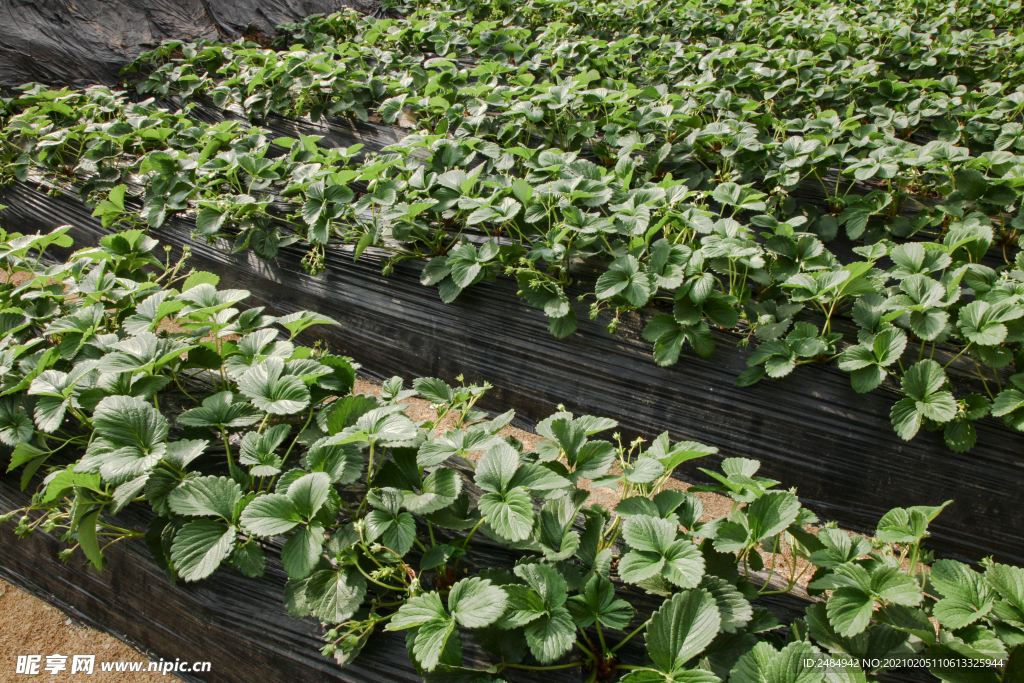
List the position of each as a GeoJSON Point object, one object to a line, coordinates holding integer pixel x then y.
{"type": "Point", "coordinates": [867, 379]}
{"type": "Point", "coordinates": [551, 636]}
{"type": "Point", "coordinates": [966, 595]}
{"type": "Point", "coordinates": [524, 605]}
{"type": "Point", "coordinates": [301, 320]}
{"type": "Point", "coordinates": [249, 559]}
{"type": "Point", "coordinates": [345, 412]}
{"type": "Point", "coordinates": [200, 546]}
{"type": "Point", "coordinates": [625, 277]}
{"type": "Point", "coordinates": [270, 515]}
{"type": "Point", "coordinates": [539, 477]}
{"type": "Point", "coordinates": [86, 533]}
{"type": "Point", "coordinates": [740, 196]}
{"type": "Point", "coordinates": [130, 439]}
{"type": "Point", "coordinates": [1008, 582]}
{"type": "Point", "coordinates": [182, 452]}
{"type": "Point", "coordinates": [689, 676]}
{"type": "Point", "coordinates": [594, 459]}
{"type": "Point", "coordinates": [334, 595]}
{"type": "Point", "coordinates": [1013, 671]}
{"type": "Point", "coordinates": [684, 564]}
{"type": "Point", "coordinates": [475, 602]}
{"type": "Point", "coordinates": [923, 379]}
{"type": "Point", "coordinates": [838, 548]}
{"type": "Point", "coordinates": [522, 190]}
{"type": "Point", "coordinates": [301, 552]}
{"type": "Point", "coordinates": [223, 409]}
{"type": "Point", "coordinates": [649, 533]}
{"type": "Point", "coordinates": [892, 585]}
{"type": "Point", "coordinates": [906, 525]}
{"type": "Point", "coordinates": [636, 505]}
{"type": "Point", "coordinates": [682, 627]}
{"type": "Point", "coordinates": [496, 468]}
{"type": "Point", "coordinates": [395, 532]}
{"type": "Point", "coordinates": [24, 452]}
{"type": "Point", "coordinates": [771, 513]}
{"type": "Point", "coordinates": [978, 325]}
{"type": "Point", "coordinates": [199, 277]}
{"type": "Point", "coordinates": [597, 602]}
{"type": "Point", "coordinates": [63, 482]}
{"type": "Point", "coordinates": [273, 392]}
{"type": "Point", "coordinates": [1007, 401]}
{"type": "Point", "coordinates": [343, 463]}
{"type": "Point", "coordinates": [257, 451]}
{"type": "Point", "coordinates": [795, 663]}
{"type": "Point", "coordinates": [905, 418]}
{"type": "Point", "coordinates": [509, 514]}
{"type": "Point", "coordinates": [546, 581]}
{"type": "Point", "coordinates": [644, 471]}
{"type": "Point", "coordinates": [309, 492]}
{"type": "Point", "coordinates": [206, 497]}
{"type": "Point", "coordinates": [733, 608]}
{"type": "Point", "coordinates": [440, 489]}
{"type": "Point", "coordinates": [418, 611]}
{"type": "Point", "coordinates": [130, 421]}
{"type": "Point", "coordinates": [49, 412]}
{"type": "Point", "coordinates": [15, 424]}
{"type": "Point", "coordinates": [849, 610]}
{"type": "Point", "coordinates": [430, 641]}
{"type": "Point", "coordinates": [908, 620]}
{"type": "Point", "coordinates": [437, 556]}
{"type": "Point", "coordinates": [640, 565]}
{"type": "Point", "coordinates": [940, 407]}
{"type": "Point", "coordinates": [388, 428]}
{"type": "Point", "coordinates": [434, 390]}
{"type": "Point", "coordinates": [385, 499]}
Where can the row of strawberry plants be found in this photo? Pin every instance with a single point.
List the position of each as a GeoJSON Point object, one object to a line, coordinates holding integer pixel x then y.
{"type": "Point", "coordinates": [686, 197]}
{"type": "Point", "coordinates": [131, 381]}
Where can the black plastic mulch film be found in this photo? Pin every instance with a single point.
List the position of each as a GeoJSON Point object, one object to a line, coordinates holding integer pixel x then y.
{"type": "Point", "coordinates": [811, 431]}
{"type": "Point", "coordinates": [85, 42]}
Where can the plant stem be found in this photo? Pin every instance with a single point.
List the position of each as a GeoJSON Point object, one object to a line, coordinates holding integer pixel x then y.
{"type": "Point", "coordinates": [296, 439]}
{"type": "Point", "coordinates": [954, 357]}
{"type": "Point", "coordinates": [625, 640]}
{"type": "Point", "coordinates": [227, 447]}
{"type": "Point", "coordinates": [587, 652]}
{"type": "Point", "coordinates": [600, 636]}
{"type": "Point", "coordinates": [369, 473]}
{"type": "Point", "coordinates": [373, 580]}
{"type": "Point", "coordinates": [552, 667]}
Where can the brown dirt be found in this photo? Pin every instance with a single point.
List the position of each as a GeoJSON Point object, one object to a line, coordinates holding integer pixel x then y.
{"type": "Point", "coordinates": [29, 626]}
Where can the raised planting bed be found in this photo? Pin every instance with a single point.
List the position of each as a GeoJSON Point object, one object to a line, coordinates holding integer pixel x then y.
{"type": "Point", "coordinates": [239, 624]}
{"type": "Point", "coordinates": [811, 431]}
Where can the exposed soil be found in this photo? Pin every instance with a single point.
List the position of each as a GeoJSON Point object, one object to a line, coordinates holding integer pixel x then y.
{"type": "Point", "coordinates": [29, 626]}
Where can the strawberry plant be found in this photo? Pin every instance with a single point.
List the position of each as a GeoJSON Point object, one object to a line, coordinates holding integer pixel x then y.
{"type": "Point", "coordinates": [820, 183]}
{"type": "Point", "coordinates": [131, 380]}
